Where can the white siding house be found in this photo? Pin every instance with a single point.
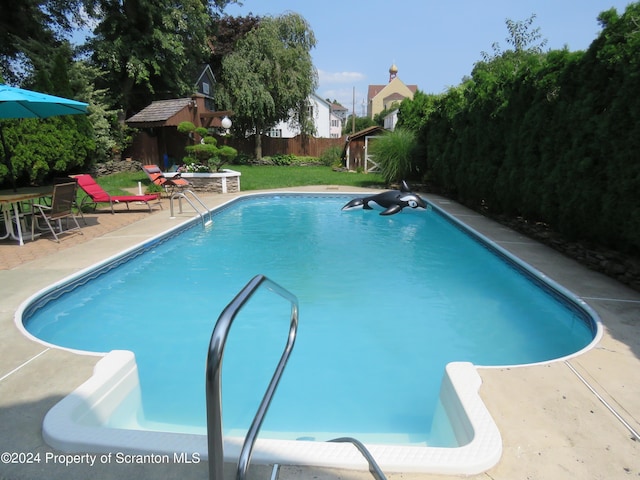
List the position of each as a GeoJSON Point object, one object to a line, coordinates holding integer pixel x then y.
{"type": "Point", "coordinates": [336, 126]}
{"type": "Point", "coordinates": [390, 120]}
{"type": "Point", "coordinates": [327, 124]}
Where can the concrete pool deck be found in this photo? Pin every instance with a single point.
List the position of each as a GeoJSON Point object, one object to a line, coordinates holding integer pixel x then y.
{"type": "Point", "coordinates": [563, 420]}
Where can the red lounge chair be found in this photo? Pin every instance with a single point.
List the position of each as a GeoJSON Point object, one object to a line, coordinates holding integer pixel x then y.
{"type": "Point", "coordinates": [96, 194]}
{"type": "Point", "coordinates": [169, 184]}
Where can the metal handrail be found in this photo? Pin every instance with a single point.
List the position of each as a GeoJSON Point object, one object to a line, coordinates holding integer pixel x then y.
{"type": "Point", "coordinates": [214, 378]}
{"type": "Point", "coordinates": [180, 196]}
{"type": "Point", "coordinates": [374, 468]}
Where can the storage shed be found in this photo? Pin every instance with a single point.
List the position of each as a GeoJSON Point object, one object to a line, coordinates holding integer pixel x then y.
{"type": "Point", "coordinates": [158, 140]}
{"type": "Point", "coordinates": [356, 150]}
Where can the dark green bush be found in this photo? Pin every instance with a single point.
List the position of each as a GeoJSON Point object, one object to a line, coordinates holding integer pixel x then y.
{"type": "Point", "coordinates": [554, 137]}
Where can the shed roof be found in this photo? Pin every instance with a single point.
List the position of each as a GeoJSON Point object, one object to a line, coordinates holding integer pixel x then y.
{"type": "Point", "coordinates": [158, 112]}
{"type": "Point", "coordinates": [365, 132]}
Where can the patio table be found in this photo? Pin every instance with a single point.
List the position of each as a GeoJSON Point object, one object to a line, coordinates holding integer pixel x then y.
{"type": "Point", "coordinates": [10, 200]}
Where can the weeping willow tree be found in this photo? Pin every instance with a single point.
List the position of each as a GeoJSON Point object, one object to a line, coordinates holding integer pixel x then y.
{"type": "Point", "coordinates": [269, 77]}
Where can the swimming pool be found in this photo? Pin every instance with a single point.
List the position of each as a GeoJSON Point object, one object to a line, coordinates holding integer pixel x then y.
{"type": "Point", "coordinates": [363, 342]}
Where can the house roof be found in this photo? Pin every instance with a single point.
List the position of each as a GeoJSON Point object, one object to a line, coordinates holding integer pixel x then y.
{"type": "Point", "coordinates": [158, 112]}
{"type": "Point", "coordinates": [360, 134]}
{"type": "Point", "coordinates": [208, 73]}
{"type": "Point", "coordinates": [169, 113]}
{"type": "Point", "coordinates": [365, 132]}
{"type": "Point", "coordinates": [374, 90]}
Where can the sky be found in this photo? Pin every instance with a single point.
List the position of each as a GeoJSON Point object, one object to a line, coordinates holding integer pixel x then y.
{"type": "Point", "coordinates": [434, 44]}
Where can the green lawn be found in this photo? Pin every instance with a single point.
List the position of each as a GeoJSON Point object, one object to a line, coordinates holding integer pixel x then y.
{"type": "Point", "coordinates": [261, 177]}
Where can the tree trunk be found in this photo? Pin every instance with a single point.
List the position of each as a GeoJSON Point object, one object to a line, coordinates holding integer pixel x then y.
{"type": "Point", "coordinates": [258, 149]}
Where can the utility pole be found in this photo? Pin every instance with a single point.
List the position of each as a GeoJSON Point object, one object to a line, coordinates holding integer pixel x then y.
{"type": "Point", "coordinates": [353, 112]}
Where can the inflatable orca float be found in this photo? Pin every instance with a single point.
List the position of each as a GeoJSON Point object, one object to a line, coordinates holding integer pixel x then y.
{"type": "Point", "coordinates": [393, 201]}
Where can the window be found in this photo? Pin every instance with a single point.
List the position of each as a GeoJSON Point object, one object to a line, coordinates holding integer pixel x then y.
{"type": "Point", "coordinates": [274, 132]}
{"type": "Point", "coordinates": [205, 88]}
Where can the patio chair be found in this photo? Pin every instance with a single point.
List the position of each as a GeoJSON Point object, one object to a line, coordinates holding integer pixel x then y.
{"type": "Point", "coordinates": [96, 194]}
{"type": "Point", "coordinates": [170, 185]}
{"type": "Point", "coordinates": [58, 180]}
{"type": "Point", "coordinates": [62, 202]}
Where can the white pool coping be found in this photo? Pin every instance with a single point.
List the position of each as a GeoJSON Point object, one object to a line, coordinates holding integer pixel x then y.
{"type": "Point", "coordinates": [76, 424]}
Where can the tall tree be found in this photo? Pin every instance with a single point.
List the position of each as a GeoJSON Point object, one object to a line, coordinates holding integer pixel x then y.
{"type": "Point", "coordinates": [28, 27]}
{"type": "Point", "coordinates": [269, 76]}
{"type": "Point", "coordinates": [151, 49]}
{"type": "Point", "coordinates": [356, 124]}
{"type": "Point", "coordinates": [226, 33]}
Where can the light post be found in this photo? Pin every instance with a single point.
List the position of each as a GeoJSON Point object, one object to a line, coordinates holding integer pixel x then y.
{"type": "Point", "coordinates": [226, 124]}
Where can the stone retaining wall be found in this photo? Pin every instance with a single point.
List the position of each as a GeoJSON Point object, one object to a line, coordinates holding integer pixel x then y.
{"type": "Point", "coordinates": [115, 166]}
{"type": "Point", "coordinates": [214, 184]}
{"type": "Point", "coordinates": [229, 183]}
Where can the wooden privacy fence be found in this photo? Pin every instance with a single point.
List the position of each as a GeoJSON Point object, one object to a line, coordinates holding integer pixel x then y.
{"type": "Point", "coordinates": [300, 146]}
{"type": "Point", "coordinates": [165, 146]}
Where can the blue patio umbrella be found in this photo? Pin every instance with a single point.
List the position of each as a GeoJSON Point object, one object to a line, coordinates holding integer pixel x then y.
{"type": "Point", "coordinates": [20, 103]}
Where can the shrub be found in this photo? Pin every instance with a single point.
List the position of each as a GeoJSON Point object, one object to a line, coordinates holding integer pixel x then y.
{"type": "Point", "coordinates": [283, 159]}
{"type": "Point", "coordinates": [332, 156]}
{"type": "Point", "coordinates": [186, 127]}
{"type": "Point", "coordinates": [242, 159]}
{"type": "Point", "coordinates": [207, 156]}
{"type": "Point", "coordinates": [394, 152]}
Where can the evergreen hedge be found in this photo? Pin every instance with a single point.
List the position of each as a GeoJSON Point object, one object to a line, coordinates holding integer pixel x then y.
{"type": "Point", "coordinates": [552, 136]}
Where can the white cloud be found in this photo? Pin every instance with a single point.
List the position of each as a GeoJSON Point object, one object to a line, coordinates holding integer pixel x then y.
{"type": "Point", "coordinates": [345, 96]}
{"type": "Point", "coordinates": [340, 86]}
{"type": "Point", "coordinates": [340, 77]}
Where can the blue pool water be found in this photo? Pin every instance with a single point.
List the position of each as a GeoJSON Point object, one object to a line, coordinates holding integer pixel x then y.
{"type": "Point", "coordinates": [385, 303]}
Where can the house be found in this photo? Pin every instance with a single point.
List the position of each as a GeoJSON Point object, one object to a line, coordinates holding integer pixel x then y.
{"type": "Point", "coordinates": [386, 97]}
{"type": "Point", "coordinates": [158, 140]}
{"type": "Point", "coordinates": [337, 124]}
{"type": "Point", "coordinates": [326, 123]}
{"type": "Point", "coordinates": [390, 120]}
{"type": "Point", "coordinates": [204, 86]}
{"type": "Point", "coordinates": [356, 154]}
{"type": "Point", "coordinates": [341, 112]}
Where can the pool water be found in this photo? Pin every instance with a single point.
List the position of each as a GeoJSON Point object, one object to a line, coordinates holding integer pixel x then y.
{"type": "Point", "coordinates": [385, 303]}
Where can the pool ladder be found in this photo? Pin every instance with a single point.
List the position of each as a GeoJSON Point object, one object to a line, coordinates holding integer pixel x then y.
{"type": "Point", "coordinates": [183, 194]}
{"type": "Point", "coordinates": [213, 384]}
